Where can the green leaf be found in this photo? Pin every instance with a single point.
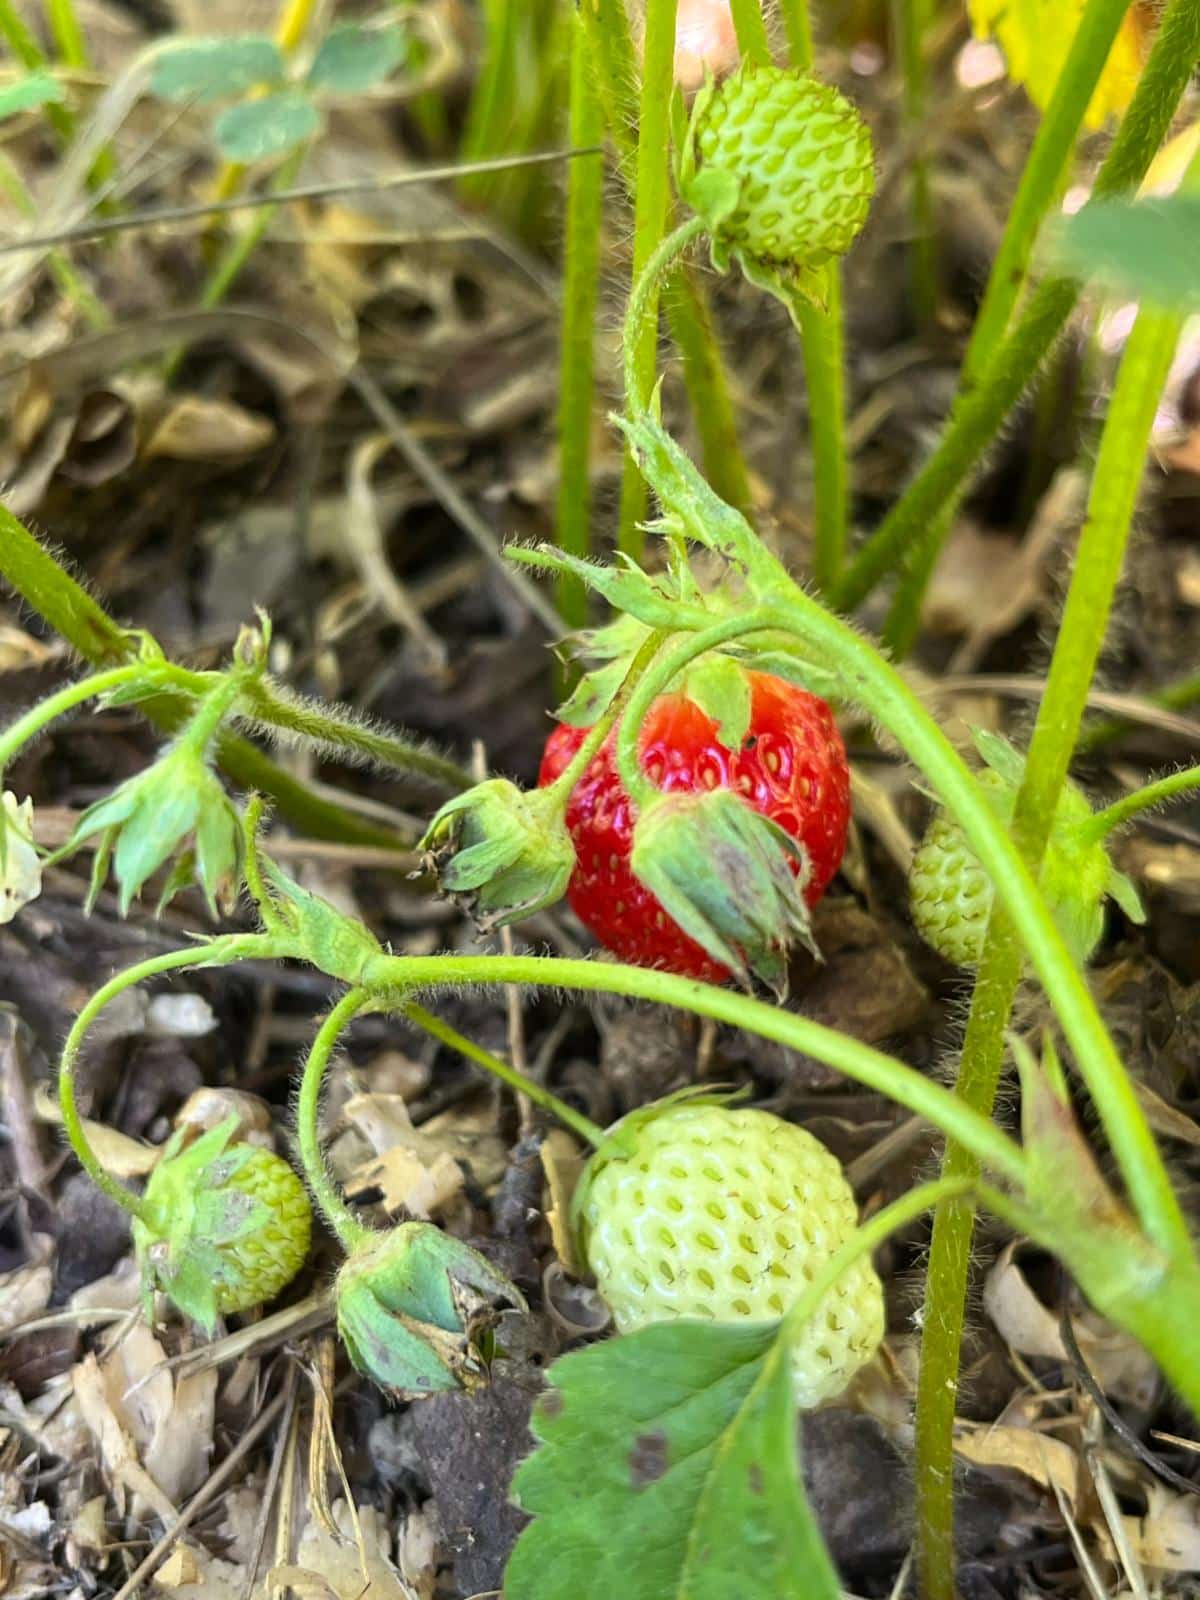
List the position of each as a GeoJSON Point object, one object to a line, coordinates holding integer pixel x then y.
{"type": "Point", "coordinates": [38, 89]}
{"type": "Point", "coordinates": [721, 689]}
{"type": "Point", "coordinates": [1147, 248]}
{"type": "Point", "coordinates": [353, 59]}
{"type": "Point", "coordinates": [667, 1471]}
{"type": "Point", "coordinates": [626, 587]}
{"type": "Point", "coordinates": [268, 127]}
{"type": "Point", "coordinates": [215, 69]}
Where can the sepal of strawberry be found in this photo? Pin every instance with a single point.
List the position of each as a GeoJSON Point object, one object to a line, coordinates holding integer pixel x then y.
{"type": "Point", "coordinates": [222, 1226]}
{"type": "Point", "coordinates": [411, 1304]}
{"type": "Point", "coordinates": [152, 816]}
{"type": "Point", "coordinates": [730, 878]}
{"type": "Point", "coordinates": [780, 167]}
{"type": "Point", "coordinates": [503, 851]}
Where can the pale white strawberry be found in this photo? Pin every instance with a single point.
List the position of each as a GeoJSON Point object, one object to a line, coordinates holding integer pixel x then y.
{"type": "Point", "coordinates": [701, 1210]}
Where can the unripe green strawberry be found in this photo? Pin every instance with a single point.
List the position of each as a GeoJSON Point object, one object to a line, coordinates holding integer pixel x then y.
{"type": "Point", "coordinates": [223, 1227]}
{"type": "Point", "coordinates": [781, 166]}
{"type": "Point", "coordinates": [696, 1209]}
{"type": "Point", "coordinates": [951, 895]}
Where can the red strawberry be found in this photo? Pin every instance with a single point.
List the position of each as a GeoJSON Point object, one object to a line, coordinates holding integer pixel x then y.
{"type": "Point", "coordinates": [791, 768]}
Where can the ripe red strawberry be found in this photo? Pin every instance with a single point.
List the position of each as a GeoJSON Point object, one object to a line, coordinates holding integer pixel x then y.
{"type": "Point", "coordinates": [791, 768]}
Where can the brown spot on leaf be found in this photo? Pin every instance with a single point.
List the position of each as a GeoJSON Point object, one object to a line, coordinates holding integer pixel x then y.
{"type": "Point", "coordinates": [754, 1478]}
{"type": "Point", "coordinates": [550, 1404]}
{"type": "Point", "coordinates": [648, 1459]}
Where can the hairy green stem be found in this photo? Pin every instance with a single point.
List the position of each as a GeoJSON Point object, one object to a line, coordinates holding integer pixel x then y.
{"type": "Point", "coordinates": [751, 31]}
{"type": "Point", "coordinates": [689, 318]}
{"type": "Point", "coordinates": [641, 312]}
{"type": "Point", "coordinates": [822, 335]}
{"type": "Point", "coordinates": [979, 411]}
{"type": "Point", "coordinates": [34, 574]}
{"type": "Point", "coordinates": [388, 974]}
{"type": "Point", "coordinates": [1042, 176]}
{"type": "Point", "coordinates": [577, 338]}
{"type": "Point", "coordinates": [349, 1230]}
{"type": "Point", "coordinates": [39, 716]}
{"type": "Point", "coordinates": [433, 1025]}
{"type": "Point", "coordinates": [912, 24]}
{"type": "Point", "coordinates": [865, 1240]}
{"type": "Point", "coordinates": [608, 719]}
{"type": "Point", "coordinates": [324, 725]}
{"type": "Point", "coordinates": [211, 954]}
{"type": "Point", "coordinates": [1095, 574]}
{"type": "Point", "coordinates": [1132, 805]}
{"type": "Point", "coordinates": [798, 28]}
{"type": "Point", "coordinates": [651, 204]}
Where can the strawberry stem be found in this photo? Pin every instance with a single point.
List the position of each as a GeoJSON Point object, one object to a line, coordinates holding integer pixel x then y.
{"type": "Point", "coordinates": [218, 952]}
{"type": "Point", "coordinates": [66, 699]}
{"type": "Point", "coordinates": [349, 1230]}
{"type": "Point", "coordinates": [908, 1087]}
{"type": "Point", "coordinates": [1131, 805]}
{"type": "Point", "coordinates": [589, 1131]}
{"type": "Point", "coordinates": [643, 309]}
{"type": "Point", "coordinates": [655, 681]}
{"type": "Point", "coordinates": [574, 770]}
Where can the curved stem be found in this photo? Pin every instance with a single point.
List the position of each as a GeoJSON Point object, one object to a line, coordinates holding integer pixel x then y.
{"type": "Point", "coordinates": [654, 682]}
{"type": "Point", "coordinates": [1095, 574]}
{"type": "Point", "coordinates": [1042, 176]}
{"type": "Point", "coordinates": [327, 725]}
{"type": "Point", "coordinates": [1131, 805]}
{"type": "Point", "coordinates": [589, 1131]}
{"type": "Point", "coordinates": [66, 699]}
{"type": "Point", "coordinates": [341, 1219]}
{"type": "Point", "coordinates": [205, 955]}
{"type": "Point", "coordinates": [577, 329]}
{"type": "Point", "coordinates": [651, 206]}
{"type": "Point", "coordinates": [643, 307]}
{"type": "Point", "coordinates": [845, 1054]}
{"type": "Point", "coordinates": [979, 412]}
{"type": "Point", "coordinates": [866, 1239]}
{"type": "Point", "coordinates": [574, 770]}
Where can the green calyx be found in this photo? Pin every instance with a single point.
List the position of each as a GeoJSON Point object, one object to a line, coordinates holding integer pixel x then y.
{"type": "Point", "coordinates": [222, 1227]}
{"type": "Point", "coordinates": [410, 1305]}
{"type": "Point", "coordinates": [781, 168]}
{"type": "Point", "coordinates": [177, 805]}
{"type": "Point", "coordinates": [505, 852]}
{"type": "Point", "coordinates": [728, 877]}
{"type": "Point", "coordinates": [952, 896]}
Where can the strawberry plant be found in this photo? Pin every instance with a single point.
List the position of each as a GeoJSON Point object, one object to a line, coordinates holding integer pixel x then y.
{"type": "Point", "coordinates": [693, 805]}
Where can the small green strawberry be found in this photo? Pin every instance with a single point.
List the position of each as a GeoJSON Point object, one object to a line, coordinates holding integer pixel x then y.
{"type": "Point", "coordinates": [781, 166]}
{"type": "Point", "coordinates": [696, 1209]}
{"type": "Point", "coordinates": [951, 895]}
{"type": "Point", "coordinates": [222, 1227]}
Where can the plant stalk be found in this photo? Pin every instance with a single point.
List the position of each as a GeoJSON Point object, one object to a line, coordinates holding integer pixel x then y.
{"type": "Point", "coordinates": [349, 1230]}
{"type": "Point", "coordinates": [433, 1025]}
{"type": "Point", "coordinates": [651, 203]}
{"type": "Point", "coordinates": [979, 411]}
{"type": "Point", "coordinates": [576, 372]}
{"type": "Point", "coordinates": [1095, 574]}
{"type": "Point", "coordinates": [1146, 799]}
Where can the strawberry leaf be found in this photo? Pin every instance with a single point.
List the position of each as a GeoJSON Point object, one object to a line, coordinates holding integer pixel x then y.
{"type": "Point", "coordinates": [667, 1469]}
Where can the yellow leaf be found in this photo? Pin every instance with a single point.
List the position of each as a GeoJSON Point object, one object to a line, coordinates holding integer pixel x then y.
{"type": "Point", "coordinates": [1035, 36]}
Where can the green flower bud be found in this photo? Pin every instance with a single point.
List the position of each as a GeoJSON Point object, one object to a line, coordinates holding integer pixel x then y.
{"type": "Point", "coordinates": [730, 878]}
{"type": "Point", "coordinates": [780, 165]}
{"type": "Point", "coordinates": [505, 852]}
{"type": "Point", "coordinates": [222, 1227]}
{"type": "Point", "coordinates": [409, 1305]}
{"type": "Point", "coordinates": [154, 815]}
